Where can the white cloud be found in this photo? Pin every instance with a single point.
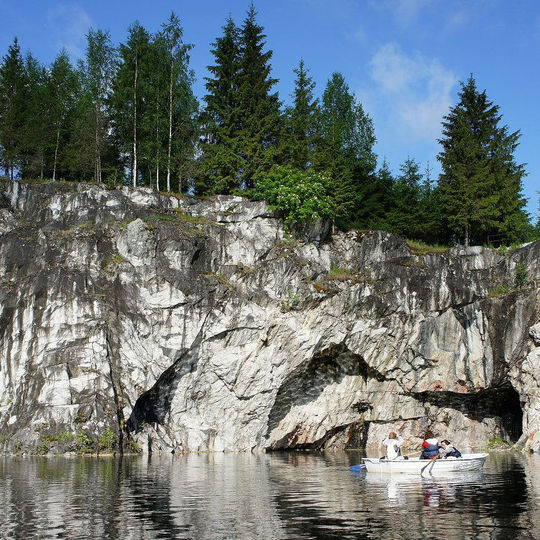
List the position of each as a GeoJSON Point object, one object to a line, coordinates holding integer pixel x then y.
{"type": "Point", "coordinates": [69, 23]}
{"type": "Point", "coordinates": [413, 93]}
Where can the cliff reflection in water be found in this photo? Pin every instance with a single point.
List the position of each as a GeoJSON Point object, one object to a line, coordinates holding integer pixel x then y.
{"type": "Point", "coordinates": [289, 495]}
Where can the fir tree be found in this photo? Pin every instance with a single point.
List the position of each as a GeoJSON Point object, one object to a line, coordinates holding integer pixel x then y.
{"type": "Point", "coordinates": [301, 126]}
{"type": "Point", "coordinates": [481, 183]}
{"type": "Point", "coordinates": [12, 108]}
{"type": "Point", "coordinates": [404, 216]}
{"type": "Point", "coordinates": [220, 118]}
{"type": "Point", "coordinates": [345, 148]}
{"type": "Point", "coordinates": [259, 114]}
{"type": "Point", "coordinates": [37, 129]}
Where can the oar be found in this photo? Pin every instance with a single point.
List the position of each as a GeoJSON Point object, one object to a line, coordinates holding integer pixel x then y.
{"type": "Point", "coordinates": [429, 463]}
{"type": "Point", "coordinates": [357, 468]}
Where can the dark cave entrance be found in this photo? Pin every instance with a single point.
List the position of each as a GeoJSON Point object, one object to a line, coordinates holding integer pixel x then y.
{"type": "Point", "coordinates": [500, 403]}
{"type": "Point", "coordinates": [510, 414]}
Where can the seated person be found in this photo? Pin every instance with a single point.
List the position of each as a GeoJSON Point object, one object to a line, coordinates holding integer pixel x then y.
{"type": "Point", "coordinates": [393, 446]}
{"type": "Point", "coordinates": [430, 446]}
{"type": "Point", "coordinates": [448, 450]}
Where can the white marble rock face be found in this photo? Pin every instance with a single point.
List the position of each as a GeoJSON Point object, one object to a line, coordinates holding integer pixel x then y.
{"type": "Point", "coordinates": [195, 325]}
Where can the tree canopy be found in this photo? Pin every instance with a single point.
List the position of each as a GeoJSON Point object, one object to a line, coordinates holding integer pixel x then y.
{"type": "Point", "coordinates": [127, 115]}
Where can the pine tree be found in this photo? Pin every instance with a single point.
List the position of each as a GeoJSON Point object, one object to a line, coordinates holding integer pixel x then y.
{"type": "Point", "coordinates": [301, 125]}
{"type": "Point", "coordinates": [12, 108]}
{"type": "Point", "coordinates": [259, 114]}
{"type": "Point", "coordinates": [481, 183]}
{"type": "Point", "coordinates": [220, 117]}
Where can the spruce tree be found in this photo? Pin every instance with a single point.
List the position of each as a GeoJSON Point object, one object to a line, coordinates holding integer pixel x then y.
{"type": "Point", "coordinates": [220, 118]}
{"type": "Point", "coordinates": [404, 217]}
{"type": "Point", "coordinates": [37, 128]}
{"type": "Point", "coordinates": [12, 108]}
{"type": "Point", "coordinates": [345, 148]}
{"type": "Point", "coordinates": [301, 124]}
{"type": "Point", "coordinates": [259, 113]}
{"type": "Point", "coordinates": [481, 183]}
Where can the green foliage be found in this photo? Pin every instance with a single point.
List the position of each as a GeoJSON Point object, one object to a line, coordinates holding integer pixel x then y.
{"type": "Point", "coordinates": [498, 443]}
{"type": "Point", "coordinates": [83, 442]}
{"type": "Point", "coordinates": [181, 214]}
{"type": "Point", "coordinates": [220, 278]}
{"type": "Point", "coordinates": [112, 260]}
{"type": "Point", "coordinates": [220, 118]}
{"type": "Point", "coordinates": [300, 196]}
{"type": "Point", "coordinates": [289, 300]}
{"type": "Point", "coordinates": [522, 275]}
{"type": "Point", "coordinates": [421, 248]}
{"type": "Point", "coordinates": [481, 182]}
{"type": "Point", "coordinates": [107, 441]}
{"type": "Point", "coordinates": [345, 149]}
{"type": "Point", "coordinates": [43, 447]}
{"type": "Point", "coordinates": [12, 108]}
{"type": "Point", "coordinates": [500, 290]}
{"type": "Point", "coordinates": [339, 273]}
{"type": "Point", "coordinates": [301, 130]}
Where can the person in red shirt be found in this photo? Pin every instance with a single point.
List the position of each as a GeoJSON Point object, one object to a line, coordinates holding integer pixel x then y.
{"type": "Point", "coordinates": [430, 446]}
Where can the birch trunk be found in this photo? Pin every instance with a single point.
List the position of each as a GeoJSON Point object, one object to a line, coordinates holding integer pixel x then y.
{"type": "Point", "coordinates": [56, 152]}
{"type": "Point", "coordinates": [134, 172]}
{"type": "Point", "coordinates": [170, 130]}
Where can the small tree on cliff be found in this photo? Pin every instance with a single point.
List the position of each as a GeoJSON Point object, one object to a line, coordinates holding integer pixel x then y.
{"type": "Point", "coordinates": [481, 183]}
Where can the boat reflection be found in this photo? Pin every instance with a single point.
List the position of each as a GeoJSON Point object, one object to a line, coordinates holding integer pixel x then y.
{"type": "Point", "coordinates": [435, 490]}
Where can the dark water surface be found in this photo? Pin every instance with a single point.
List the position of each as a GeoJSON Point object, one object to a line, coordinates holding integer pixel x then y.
{"type": "Point", "coordinates": [292, 495]}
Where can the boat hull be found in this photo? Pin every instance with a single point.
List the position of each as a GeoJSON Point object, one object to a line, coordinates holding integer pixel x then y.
{"type": "Point", "coordinates": [468, 462]}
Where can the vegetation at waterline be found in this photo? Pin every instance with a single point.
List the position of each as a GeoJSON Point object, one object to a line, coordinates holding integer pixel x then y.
{"type": "Point", "coordinates": [127, 115]}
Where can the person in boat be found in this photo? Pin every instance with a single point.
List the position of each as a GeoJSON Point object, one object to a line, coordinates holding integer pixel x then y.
{"type": "Point", "coordinates": [393, 444]}
{"type": "Point", "coordinates": [447, 450]}
{"type": "Point", "coordinates": [430, 446]}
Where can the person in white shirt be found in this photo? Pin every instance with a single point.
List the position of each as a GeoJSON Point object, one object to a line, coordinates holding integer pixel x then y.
{"type": "Point", "coordinates": [393, 445]}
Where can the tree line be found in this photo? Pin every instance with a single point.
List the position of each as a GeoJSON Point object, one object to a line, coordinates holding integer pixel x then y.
{"type": "Point", "coordinates": [128, 115]}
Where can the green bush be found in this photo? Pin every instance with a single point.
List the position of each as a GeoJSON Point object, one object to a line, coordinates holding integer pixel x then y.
{"type": "Point", "coordinates": [300, 196]}
{"type": "Point", "coordinates": [522, 275]}
{"type": "Point", "coordinates": [107, 441]}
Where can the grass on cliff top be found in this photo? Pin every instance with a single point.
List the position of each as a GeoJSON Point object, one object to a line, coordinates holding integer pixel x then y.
{"type": "Point", "coordinates": [421, 248]}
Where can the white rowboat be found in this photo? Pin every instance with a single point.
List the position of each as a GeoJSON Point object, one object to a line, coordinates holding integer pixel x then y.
{"type": "Point", "coordinates": [467, 462]}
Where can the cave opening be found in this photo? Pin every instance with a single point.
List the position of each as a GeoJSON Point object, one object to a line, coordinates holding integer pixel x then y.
{"type": "Point", "coordinates": [510, 414]}
{"type": "Point", "coordinates": [501, 403]}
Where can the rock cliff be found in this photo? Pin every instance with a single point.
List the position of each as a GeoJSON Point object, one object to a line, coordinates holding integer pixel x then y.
{"type": "Point", "coordinates": [181, 324]}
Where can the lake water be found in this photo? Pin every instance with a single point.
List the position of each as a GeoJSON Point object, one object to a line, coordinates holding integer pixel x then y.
{"type": "Point", "coordinates": [252, 496]}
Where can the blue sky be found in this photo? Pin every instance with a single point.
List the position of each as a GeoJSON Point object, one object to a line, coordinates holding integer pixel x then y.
{"type": "Point", "coordinates": [402, 58]}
